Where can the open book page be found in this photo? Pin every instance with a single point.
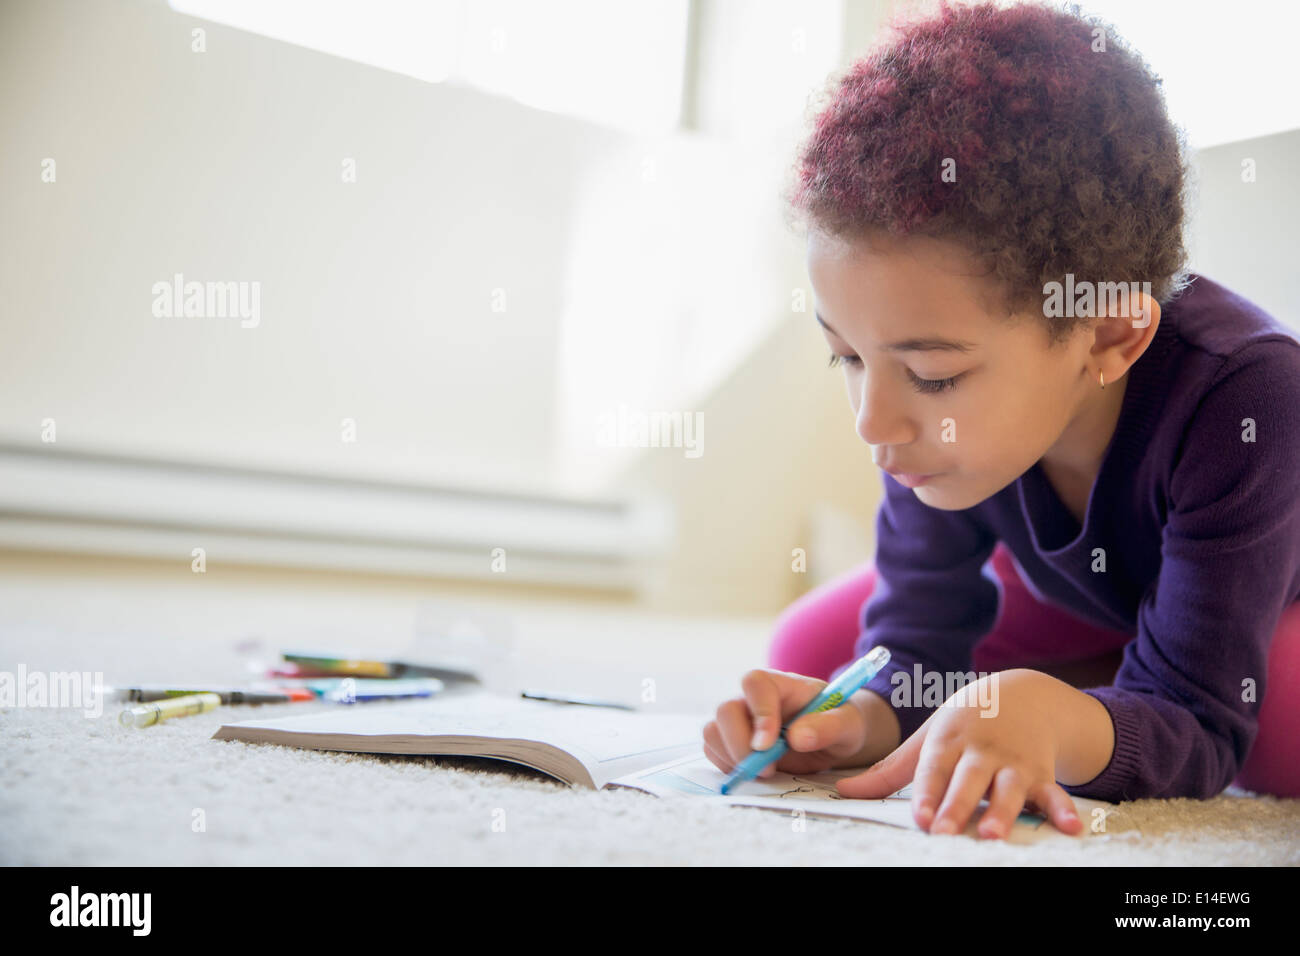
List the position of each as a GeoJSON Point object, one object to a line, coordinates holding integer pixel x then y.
{"type": "Point", "coordinates": [695, 776]}
{"type": "Point", "coordinates": [604, 741]}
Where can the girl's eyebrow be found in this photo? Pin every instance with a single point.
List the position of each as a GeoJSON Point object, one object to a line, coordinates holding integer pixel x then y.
{"type": "Point", "coordinates": [919, 344]}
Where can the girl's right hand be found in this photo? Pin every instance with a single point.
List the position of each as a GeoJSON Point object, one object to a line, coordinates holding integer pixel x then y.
{"type": "Point", "coordinates": [833, 738]}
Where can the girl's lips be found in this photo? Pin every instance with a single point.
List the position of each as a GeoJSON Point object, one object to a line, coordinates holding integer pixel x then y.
{"type": "Point", "coordinates": [913, 481]}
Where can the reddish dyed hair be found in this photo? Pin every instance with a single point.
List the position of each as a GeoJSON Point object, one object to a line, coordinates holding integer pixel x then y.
{"type": "Point", "coordinates": [1065, 159]}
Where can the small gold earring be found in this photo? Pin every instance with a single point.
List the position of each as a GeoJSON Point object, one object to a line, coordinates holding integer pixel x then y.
{"type": "Point", "coordinates": [1102, 376]}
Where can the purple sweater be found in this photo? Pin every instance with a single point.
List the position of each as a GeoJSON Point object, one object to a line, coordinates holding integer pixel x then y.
{"type": "Point", "coordinates": [1201, 537]}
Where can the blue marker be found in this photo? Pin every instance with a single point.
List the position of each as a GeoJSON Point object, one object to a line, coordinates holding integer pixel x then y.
{"type": "Point", "coordinates": [834, 694]}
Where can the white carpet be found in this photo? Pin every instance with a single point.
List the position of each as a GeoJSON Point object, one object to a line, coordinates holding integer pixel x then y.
{"type": "Point", "coordinates": [80, 791]}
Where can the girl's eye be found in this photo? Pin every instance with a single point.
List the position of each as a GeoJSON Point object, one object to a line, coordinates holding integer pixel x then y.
{"type": "Point", "coordinates": [932, 385]}
{"type": "Point", "coordinates": [926, 385]}
{"type": "Point", "coordinates": [836, 359]}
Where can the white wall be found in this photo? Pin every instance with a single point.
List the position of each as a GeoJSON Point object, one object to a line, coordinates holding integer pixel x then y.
{"type": "Point", "coordinates": [1243, 232]}
{"type": "Point", "coordinates": [377, 297]}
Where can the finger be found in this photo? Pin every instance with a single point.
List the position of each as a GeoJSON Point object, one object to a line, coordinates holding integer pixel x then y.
{"type": "Point", "coordinates": [930, 781]}
{"type": "Point", "coordinates": [888, 775]}
{"type": "Point", "coordinates": [793, 762]}
{"type": "Point", "coordinates": [811, 766]}
{"type": "Point", "coordinates": [715, 749]}
{"type": "Point", "coordinates": [735, 729]}
{"type": "Point", "coordinates": [1058, 807]}
{"type": "Point", "coordinates": [763, 700]}
{"type": "Point", "coordinates": [719, 753]}
{"type": "Point", "coordinates": [814, 762]}
{"type": "Point", "coordinates": [970, 781]}
{"type": "Point", "coordinates": [838, 732]}
{"type": "Point", "coordinates": [1005, 803]}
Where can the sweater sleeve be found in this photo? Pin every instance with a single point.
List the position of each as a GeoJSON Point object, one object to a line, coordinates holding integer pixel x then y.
{"type": "Point", "coordinates": [931, 602]}
{"type": "Point", "coordinates": [1182, 706]}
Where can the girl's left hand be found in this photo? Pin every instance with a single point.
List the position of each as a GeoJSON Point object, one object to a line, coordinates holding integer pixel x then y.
{"type": "Point", "coordinates": [996, 739]}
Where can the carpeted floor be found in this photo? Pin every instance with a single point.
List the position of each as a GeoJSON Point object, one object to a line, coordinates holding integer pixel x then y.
{"type": "Point", "coordinates": [75, 790]}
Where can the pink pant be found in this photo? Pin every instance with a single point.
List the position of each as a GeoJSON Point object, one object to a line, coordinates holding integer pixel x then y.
{"type": "Point", "coordinates": [817, 633]}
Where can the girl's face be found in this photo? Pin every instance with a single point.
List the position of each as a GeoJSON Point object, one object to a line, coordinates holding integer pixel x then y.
{"type": "Point", "coordinates": [940, 385]}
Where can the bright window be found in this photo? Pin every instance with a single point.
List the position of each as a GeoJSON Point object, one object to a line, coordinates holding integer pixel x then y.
{"type": "Point", "coordinates": [1229, 70]}
{"type": "Point", "coordinates": [617, 63]}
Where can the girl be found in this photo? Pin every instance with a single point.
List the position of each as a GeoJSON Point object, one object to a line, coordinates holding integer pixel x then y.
{"type": "Point", "coordinates": [1091, 514]}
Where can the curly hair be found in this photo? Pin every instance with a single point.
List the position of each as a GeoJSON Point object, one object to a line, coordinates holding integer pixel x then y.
{"type": "Point", "coordinates": [1059, 154]}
